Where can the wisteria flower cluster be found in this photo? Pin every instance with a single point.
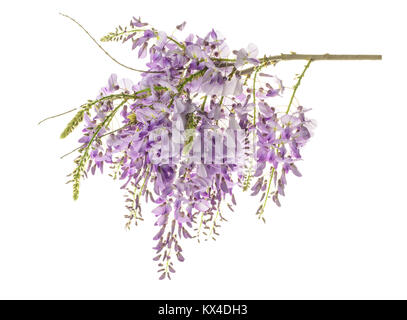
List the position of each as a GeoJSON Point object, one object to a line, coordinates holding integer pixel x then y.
{"type": "Point", "coordinates": [200, 122]}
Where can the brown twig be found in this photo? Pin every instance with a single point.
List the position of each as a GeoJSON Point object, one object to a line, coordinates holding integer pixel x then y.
{"type": "Point", "coordinates": [313, 57]}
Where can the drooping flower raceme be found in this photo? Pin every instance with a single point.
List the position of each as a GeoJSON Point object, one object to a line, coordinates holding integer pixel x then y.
{"type": "Point", "coordinates": [200, 122]}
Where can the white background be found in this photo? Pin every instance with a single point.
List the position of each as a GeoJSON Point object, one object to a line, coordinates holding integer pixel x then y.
{"type": "Point", "coordinates": [341, 232]}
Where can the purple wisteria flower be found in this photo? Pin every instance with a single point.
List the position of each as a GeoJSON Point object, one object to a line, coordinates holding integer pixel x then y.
{"type": "Point", "coordinates": [196, 125]}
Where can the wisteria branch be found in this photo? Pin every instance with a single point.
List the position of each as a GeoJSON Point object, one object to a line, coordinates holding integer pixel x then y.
{"type": "Point", "coordinates": [185, 131]}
